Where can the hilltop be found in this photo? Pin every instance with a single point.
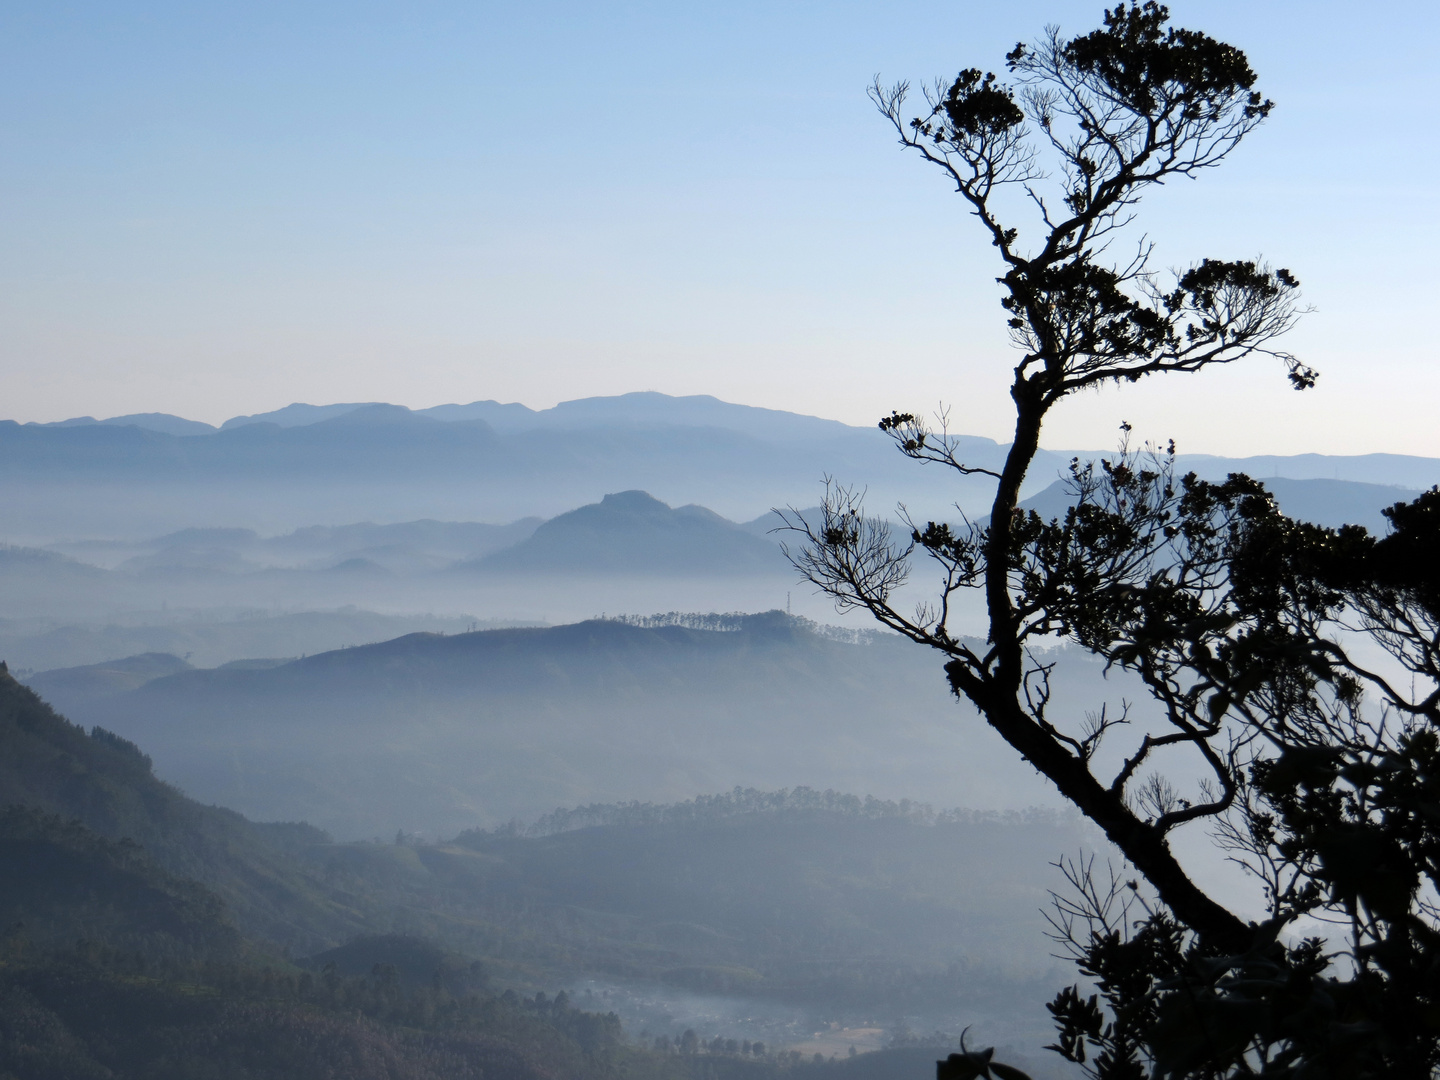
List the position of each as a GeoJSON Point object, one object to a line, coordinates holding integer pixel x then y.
{"type": "Point", "coordinates": [632, 531]}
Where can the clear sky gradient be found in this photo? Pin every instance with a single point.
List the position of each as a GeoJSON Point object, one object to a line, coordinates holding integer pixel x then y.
{"type": "Point", "coordinates": [219, 208]}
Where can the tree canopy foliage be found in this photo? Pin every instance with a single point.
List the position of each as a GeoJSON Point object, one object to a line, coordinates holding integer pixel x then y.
{"type": "Point", "coordinates": [1297, 668]}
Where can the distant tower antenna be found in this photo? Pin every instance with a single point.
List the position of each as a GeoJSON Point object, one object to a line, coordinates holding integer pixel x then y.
{"type": "Point", "coordinates": [787, 603]}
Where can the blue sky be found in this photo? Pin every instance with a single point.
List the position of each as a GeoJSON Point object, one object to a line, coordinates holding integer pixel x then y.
{"type": "Point", "coordinates": [213, 209]}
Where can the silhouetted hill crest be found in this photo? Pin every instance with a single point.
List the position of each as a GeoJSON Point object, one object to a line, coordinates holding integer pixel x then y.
{"type": "Point", "coordinates": [475, 728]}
{"type": "Point", "coordinates": [492, 656]}
{"type": "Point", "coordinates": [296, 414]}
{"type": "Point", "coordinates": [632, 531]}
{"type": "Point", "coordinates": [379, 415]}
{"type": "Point", "coordinates": [166, 423]}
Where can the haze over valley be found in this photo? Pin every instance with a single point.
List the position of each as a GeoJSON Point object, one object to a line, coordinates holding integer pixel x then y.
{"type": "Point", "coordinates": [483, 651]}
{"type": "Point", "coordinates": [370, 671]}
{"type": "Point", "coordinates": [258, 538]}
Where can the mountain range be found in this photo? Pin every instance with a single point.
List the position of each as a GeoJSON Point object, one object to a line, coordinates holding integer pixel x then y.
{"type": "Point", "coordinates": [639, 409]}
{"type": "Point", "coordinates": [132, 476]}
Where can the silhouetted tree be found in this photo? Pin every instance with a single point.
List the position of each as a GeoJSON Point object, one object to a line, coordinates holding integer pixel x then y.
{"type": "Point", "coordinates": [1241, 624]}
{"type": "Point", "coordinates": [1122, 108]}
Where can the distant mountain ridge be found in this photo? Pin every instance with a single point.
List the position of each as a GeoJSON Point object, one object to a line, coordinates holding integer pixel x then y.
{"type": "Point", "coordinates": [628, 551]}
{"type": "Point", "coordinates": [640, 408]}
{"type": "Point", "coordinates": [651, 408]}
{"type": "Point", "coordinates": [321, 465]}
{"type": "Point", "coordinates": [628, 531]}
{"type": "Point", "coordinates": [486, 460]}
{"type": "Point", "coordinates": [166, 423]}
{"type": "Point", "coordinates": [434, 543]}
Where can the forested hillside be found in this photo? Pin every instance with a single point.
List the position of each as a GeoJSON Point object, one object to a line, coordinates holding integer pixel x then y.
{"type": "Point", "coordinates": [116, 963]}
{"type": "Point", "coordinates": [105, 783]}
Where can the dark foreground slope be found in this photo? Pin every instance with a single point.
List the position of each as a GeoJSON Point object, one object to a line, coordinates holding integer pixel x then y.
{"type": "Point", "coordinates": [435, 734]}
{"type": "Point", "coordinates": [56, 876]}
{"type": "Point", "coordinates": [104, 784]}
{"type": "Point", "coordinates": [114, 966]}
{"type": "Point", "coordinates": [96, 1015]}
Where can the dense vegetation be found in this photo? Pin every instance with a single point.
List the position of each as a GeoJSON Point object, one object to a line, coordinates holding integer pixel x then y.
{"type": "Point", "coordinates": [92, 1013]}
{"type": "Point", "coordinates": [97, 1012]}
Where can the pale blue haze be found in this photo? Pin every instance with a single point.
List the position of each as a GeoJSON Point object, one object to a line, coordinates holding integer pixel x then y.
{"type": "Point", "coordinates": [214, 209]}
